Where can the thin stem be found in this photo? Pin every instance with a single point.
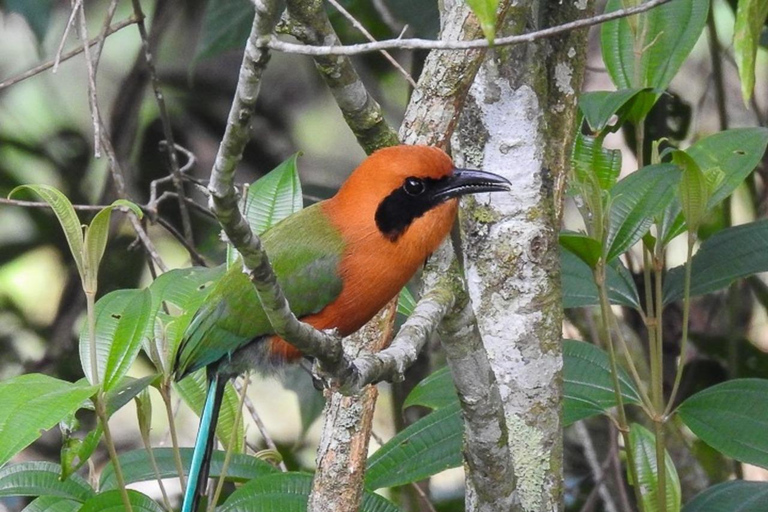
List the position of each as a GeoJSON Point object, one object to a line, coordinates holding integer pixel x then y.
{"type": "Point", "coordinates": [90, 301]}
{"type": "Point", "coordinates": [102, 414]}
{"type": "Point", "coordinates": [658, 384]}
{"type": "Point", "coordinates": [686, 312]}
{"type": "Point", "coordinates": [647, 404]}
{"type": "Point", "coordinates": [165, 392]}
{"type": "Point", "coordinates": [158, 477]}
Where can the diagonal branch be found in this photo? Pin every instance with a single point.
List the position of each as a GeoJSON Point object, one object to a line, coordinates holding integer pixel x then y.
{"type": "Point", "coordinates": [272, 43]}
{"type": "Point", "coordinates": [310, 25]}
{"type": "Point", "coordinates": [325, 346]}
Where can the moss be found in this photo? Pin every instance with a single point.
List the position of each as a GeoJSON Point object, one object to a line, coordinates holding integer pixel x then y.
{"type": "Point", "coordinates": [531, 463]}
{"type": "Point", "coordinates": [484, 214]}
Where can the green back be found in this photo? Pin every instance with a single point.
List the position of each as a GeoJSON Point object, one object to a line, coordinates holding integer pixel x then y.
{"type": "Point", "coordinates": [305, 252]}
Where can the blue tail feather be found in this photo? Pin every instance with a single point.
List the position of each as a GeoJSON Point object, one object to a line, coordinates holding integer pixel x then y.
{"type": "Point", "coordinates": [201, 456]}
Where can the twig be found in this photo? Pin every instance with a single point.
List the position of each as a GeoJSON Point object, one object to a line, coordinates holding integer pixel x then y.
{"type": "Point", "coordinates": [196, 257]}
{"type": "Point", "coordinates": [103, 35]}
{"type": "Point", "coordinates": [70, 22]}
{"type": "Point", "coordinates": [359, 26]}
{"type": "Point", "coordinates": [257, 420]}
{"type": "Point", "coordinates": [598, 469]}
{"type": "Point", "coordinates": [91, 71]}
{"type": "Point", "coordinates": [166, 122]}
{"type": "Point", "coordinates": [325, 346]}
{"type": "Point", "coordinates": [311, 26]}
{"type": "Point", "coordinates": [269, 41]}
{"type": "Point", "coordinates": [72, 53]}
{"type": "Point", "coordinates": [40, 204]}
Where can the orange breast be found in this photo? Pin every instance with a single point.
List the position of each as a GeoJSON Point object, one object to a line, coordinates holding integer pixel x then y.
{"type": "Point", "coordinates": [373, 269]}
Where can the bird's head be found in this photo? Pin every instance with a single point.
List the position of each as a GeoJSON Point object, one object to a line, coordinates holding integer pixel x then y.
{"type": "Point", "coordinates": [406, 182]}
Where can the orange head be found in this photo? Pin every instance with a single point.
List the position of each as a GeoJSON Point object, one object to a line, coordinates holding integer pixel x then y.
{"type": "Point", "coordinates": [403, 183]}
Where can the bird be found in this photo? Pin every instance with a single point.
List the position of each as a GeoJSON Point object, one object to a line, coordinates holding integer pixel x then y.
{"type": "Point", "coordinates": [339, 262]}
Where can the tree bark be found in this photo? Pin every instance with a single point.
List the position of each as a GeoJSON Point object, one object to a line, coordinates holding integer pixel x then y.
{"type": "Point", "coordinates": [518, 122]}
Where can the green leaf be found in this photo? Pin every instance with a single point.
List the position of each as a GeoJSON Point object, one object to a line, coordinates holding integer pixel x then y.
{"type": "Point", "coordinates": [406, 302]}
{"type": "Point", "coordinates": [226, 26]}
{"type": "Point", "coordinates": [39, 478]}
{"type": "Point", "coordinates": [37, 14]}
{"type": "Point", "coordinates": [123, 319]}
{"type": "Point", "coordinates": [485, 10]}
{"type": "Point", "coordinates": [437, 390]}
{"type": "Point", "coordinates": [665, 37]}
{"type": "Point", "coordinates": [430, 445]}
{"type": "Point", "coordinates": [730, 254]}
{"type": "Point", "coordinates": [734, 153]}
{"type": "Point", "coordinates": [137, 466]}
{"type": "Point", "coordinates": [591, 161]}
{"type": "Point", "coordinates": [582, 245]}
{"type": "Point", "coordinates": [52, 504]}
{"type": "Point", "coordinates": [644, 451]}
{"type": "Point", "coordinates": [95, 242]}
{"type": "Point", "coordinates": [274, 196]}
{"type": "Point", "coordinates": [67, 218]}
{"type": "Point", "coordinates": [288, 492]}
{"type": "Point", "coordinates": [750, 17]}
{"type": "Point", "coordinates": [734, 496]}
{"type": "Point", "coordinates": [693, 190]}
{"type": "Point", "coordinates": [636, 200]}
{"type": "Point", "coordinates": [587, 382]}
{"type": "Point", "coordinates": [600, 106]}
{"type": "Point", "coordinates": [32, 403]}
{"type": "Point", "coordinates": [127, 390]}
{"type": "Point", "coordinates": [193, 390]}
{"type": "Point", "coordinates": [112, 501]}
{"type": "Point", "coordinates": [579, 287]}
{"type": "Point", "coordinates": [732, 418]}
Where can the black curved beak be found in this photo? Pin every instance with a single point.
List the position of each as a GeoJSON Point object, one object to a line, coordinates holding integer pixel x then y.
{"type": "Point", "coordinates": [468, 181]}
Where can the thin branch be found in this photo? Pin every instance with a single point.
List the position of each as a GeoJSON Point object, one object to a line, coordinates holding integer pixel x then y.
{"type": "Point", "coordinates": [194, 255]}
{"type": "Point", "coordinates": [166, 122]}
{"type": "Point", "coordinates": [269, 41]}
{"type": "Point", "coordinates": [102, 37]}
{"type": "Point", "coordinates": [70, 22]}
{"type": "Point", "coordinates": [310, 25]}
{"type": "Point", "coordinates": [224, 203]}
{"type": "Point", "coordinates": [359, 26]}
{"type": "Point", "coordinates": [91, 72]}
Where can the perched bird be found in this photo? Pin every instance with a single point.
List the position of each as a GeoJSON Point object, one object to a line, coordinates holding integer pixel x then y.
{"type": "Point", "coordinates": [338, 261]}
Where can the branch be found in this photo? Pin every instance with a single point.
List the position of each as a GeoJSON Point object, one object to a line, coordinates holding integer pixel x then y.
{"type": "Point", "coordinates": [391, 363]}
{"type": "Point", "coordinates": [326, 347]}
{"type": "Point", "coordinates": [310, 24]}
{"type": "Point", "coordinates": [269, 41]}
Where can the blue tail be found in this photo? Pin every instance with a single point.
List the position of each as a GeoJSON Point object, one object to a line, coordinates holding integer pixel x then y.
{"type": "Point", "coordinates": [201, 457]}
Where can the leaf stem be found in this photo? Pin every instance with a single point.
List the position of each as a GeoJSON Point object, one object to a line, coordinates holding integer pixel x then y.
{"type": "Point", "coordinates": [165, 392]}
{"type": "Point", "coordinates": [686, 312]}
{"type": "Point", "coordinates": [156, 469]}
{"type": "Point", "coordinates": [101, 412]}
{"type": "Point", "coordinates": [658, 385]}
{"type": "Point", "coordinates": [90, 302]}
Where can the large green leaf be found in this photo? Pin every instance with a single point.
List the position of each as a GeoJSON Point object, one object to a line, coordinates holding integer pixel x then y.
{"type": "Point", "coordinates": [728, 255]}
{"type": "Point", "coordinates": [435, 391]}
{"type": "Point", "coordinates": [274, 196]}
{"type": "Point", "coordinates": [579, 287]}
{"type": "Point", "coordinates": [600, 106]}
{"type": "Point", "coordinates": [95, 241]}
{"type": "Point", "coordinates": [127, 390]}
{"type": "Point", "coordinates": [288, 492]}
{"type": "Point", "coordinates": [635, 201]}
{"type": "Point", "coordinates": [582, 245]}
{"type": "Point", "coordinates": [732, 155]}
{"type": "Point", "coordinates": [112, 501]}
{"type": "Point", "coordinates": [123, 320]}
{"type": "Point", "coordinates": [593, 165]}
{"type": "Point", "coordinates": [39, 478]}
{"type": "Point", "coordinates": [52, 504]}
{"type": "Point", "coordinates": [693, 190]}
{"type": "Point", "coordinates": [587, 382]}
{"type": "Point", "coordinates": [226, 26]}
{"type": "Point", "coordinates": [734, 496]}
{"type": "Point", "coordinates": [731, 417]}
{"type": "Point", "coordinates": [137, 466]}
{"type": "Point", "coordinates": [32, 403]}
{"type": "Point", "coordinates": [422, 449]}
{"type": "Point", "coordinates": [750, 17]}
{"type": "Point", "coordinates": [61, 206]}
{"type": "Point", "coordinates": [193, 389]}
{"type": "Point", "coordinates": [644, 452]}
{"type": "Point", "coordinates": [648, 49]}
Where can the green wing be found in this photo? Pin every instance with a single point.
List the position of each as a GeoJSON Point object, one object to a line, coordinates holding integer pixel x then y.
{"type": "Point", "coordinates": [305, 252]}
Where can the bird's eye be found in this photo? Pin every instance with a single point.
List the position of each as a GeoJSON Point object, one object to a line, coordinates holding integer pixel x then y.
{"type": "Point", "coordinates": [413, 186]}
